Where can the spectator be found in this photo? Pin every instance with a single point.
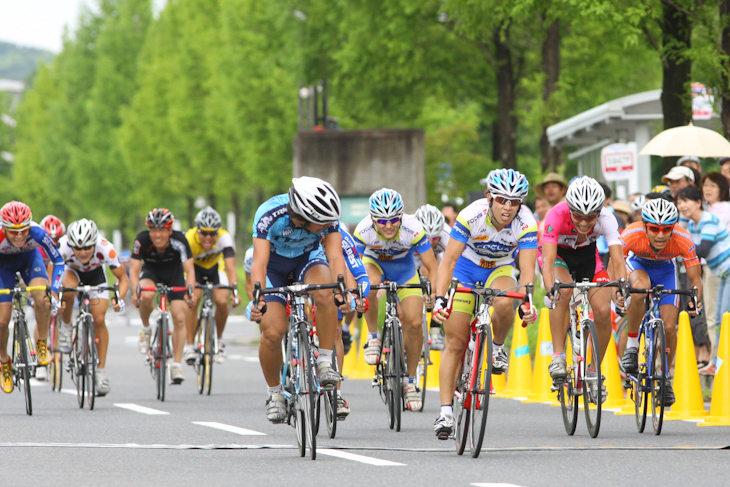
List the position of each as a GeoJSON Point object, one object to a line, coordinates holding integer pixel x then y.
{"type": "Point", "coordinates": [692, 162]}
{"type": "Point", "coordinates": [450, 213]}
{"type": "Point", "coordinates": [713, 244]}
{"type": "Point", "coordinates": [552, 188]}
{"type": "Point", "coordinates": [541, 208]}
{"type": "Point", "coordinates": [622, 209]}
{"type": "Point", "coordinates": [677, 178]}
{"type": "Point", "coordinates": [725, 168]}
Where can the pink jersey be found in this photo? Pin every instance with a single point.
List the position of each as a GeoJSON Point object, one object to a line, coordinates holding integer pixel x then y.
{"type": "Point", "coordinates": [559, 228]}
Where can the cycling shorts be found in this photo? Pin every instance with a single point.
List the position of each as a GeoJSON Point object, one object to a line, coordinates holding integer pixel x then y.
{"type": "Point", "coordinates": [29, 264]}
{"type": "Point", "coordinates": [468, 273]}
{"type": "Point", "coordinates": [281, 269]}
{"type": "Point", "coordinates": [659, 272]}
{"type": "Point", "coordinates": [402, 271]}
{"type": "Point", "coordinates": [94, 277]}
{"type": "Point", "coordinates": [582, 263]}
{"type": "Point", "coordinates": [204, 276]}
{"type": "Point", "coordinates": [168, 275]}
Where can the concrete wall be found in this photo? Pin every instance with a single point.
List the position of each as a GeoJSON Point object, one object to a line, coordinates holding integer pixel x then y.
{"type": "Point", "coordinates": [359, 162]}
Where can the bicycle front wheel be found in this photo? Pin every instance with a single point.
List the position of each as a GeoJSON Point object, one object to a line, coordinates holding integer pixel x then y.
{"type": "Point", "coordinates": [592, 378]}
{"type": "Point", "coordinates": [22, 361]}
{"type": "Point", "coordinates": [461, 405]}
{"type": "Point", "coordinates": [91, 360]}
{"type": "Point", "coordinates": [567, 389]}
{"type": "Point", "coordinates": [399, 362]}
{"type": "Point", "coordinates": [55, 368]}
{"type": "Point", "coordinates": [481, 385]}
{"type": "Point", "coordinates": [330, 403]}
{"type": "Point", "coordinates": [658, 377]}
{"type": "Point", "coordinates": [422, 369]}
{"type": "Point", "coordinates": [210, 351]}
{"type": "Point", "coordinates": [308, 391]}
{"type": "Point", "coordinates": [388, 366]}
{"type": "Point", "coordinates": [79, 352]}
{"type": "Point", "coordinates": [161, 358]}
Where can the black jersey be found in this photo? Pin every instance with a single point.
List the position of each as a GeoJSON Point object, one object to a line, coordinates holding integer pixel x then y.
{"type": "Point", "coordinates": [175, 254]}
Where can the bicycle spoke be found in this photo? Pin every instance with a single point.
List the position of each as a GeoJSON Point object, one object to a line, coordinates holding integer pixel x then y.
{"type": "Point", "coordinates": [592, 378]}
{"type": "Point", "coordinates": [481, 383]}
{"type": "Point", "coordinates": [658, 375]}
{"type": "Point", "coordinates": [566, 392]}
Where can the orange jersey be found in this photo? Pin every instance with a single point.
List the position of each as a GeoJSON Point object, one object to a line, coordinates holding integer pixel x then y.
{"type": "Point", "coordinates": [680, 244]}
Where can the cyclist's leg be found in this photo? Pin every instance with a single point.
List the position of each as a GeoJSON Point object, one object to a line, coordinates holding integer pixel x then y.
{"type": "Point", "coordinates": [456, 329]}
{"type": "Point", "coordinates": [178, 310]}
{"type": "Point", "coordinates": [669, 314]}
{"type": "Point", "coordinates": [273, 326]}
{"type": "Point", "coordinates": [220, 297]}
{"type": "Point", "coordinates": [99, 306]}
{"type": "Point", "coordinates": [35, 274]}
{"type": "Point", "coordinates": [375, 274]}
{"type": "Point", "coordinates": [6, 308]}
{"type": "Point", "coordinates": [70, 279]}
{"type": "Point", "coordinates": [318, 273]}
{"type": "Point", "coordinates": [638, 278]}
{"type": "Point", "coordinates": [559, 317]}
{"type": "Point", "coordinates": [503, 314]}
{"type": "Point", "coordinates": [411, 316]}
{"type": "Point", "coordinates": [191, 318]}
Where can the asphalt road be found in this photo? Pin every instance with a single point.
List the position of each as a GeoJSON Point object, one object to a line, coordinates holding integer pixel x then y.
{"type": "Point", "coordinates": [225, 439]}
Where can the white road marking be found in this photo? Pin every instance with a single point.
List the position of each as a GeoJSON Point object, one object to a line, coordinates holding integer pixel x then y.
{"type": "Point", "coordinates": [494, 484]}
{"type": "Point", "coordinates": [36, 382]}
{"type": "Point", "coordinates": [229, 428]}
{"type": "Point", "coordinates": [251, 359]}
{"type": "Point", "coordinates": [139, 409]}
{"type": "Point", "coordinates": [359, 458]}
{"type": "Point", "coordinates": [69, 391]}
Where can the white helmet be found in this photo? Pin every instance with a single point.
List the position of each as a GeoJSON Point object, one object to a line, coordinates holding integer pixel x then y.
{"type": "Point", "coordinates": [638, 203]}
{"type": "Point", "coordinates": [585, 195]}
{"type": "Point", "coordinates": [432, 220]}
{"type": "Point", "coordinates": [314, 200]}
{"type": "Point", "coordinates": [659, 212]}
{"type": "Point", "coordinates": [82, 233]}
{"type": "Point", "coordinates": [208, 218]}
{"type": "Point", "coordinates": [508, 183]}
{"type": "Point", "coordinates": [385, 203]}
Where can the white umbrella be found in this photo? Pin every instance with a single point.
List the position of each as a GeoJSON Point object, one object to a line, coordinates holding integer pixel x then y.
{"type": "Point", "coordinates": [685, 140]}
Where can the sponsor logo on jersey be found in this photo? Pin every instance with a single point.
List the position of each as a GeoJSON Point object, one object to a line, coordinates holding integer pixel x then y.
{"type": "Point", "coordinates": [486, 264]}
{"type": "Point", "coordinates": [529, 239]}
{"type": "Point", "coordinates": [385, 257]}
{"type": "Point", "coordinates": [550, 229]}
{"type": "Point", "coordinates": [287, 231]}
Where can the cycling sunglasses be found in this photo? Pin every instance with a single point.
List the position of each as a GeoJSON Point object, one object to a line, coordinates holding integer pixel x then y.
{"type": "Point", "coordinates": [503, 201]}
{"type": "Point", "coordinates": [385, 222]}
{"type": "Point", "coordinates": [208, 233]}
{"type": "Point", "coordinates": [659, 228]}
{"type": "Point", "coordinates": [83, 248]}
{"type": "Point", "coordinates": [585, 218]}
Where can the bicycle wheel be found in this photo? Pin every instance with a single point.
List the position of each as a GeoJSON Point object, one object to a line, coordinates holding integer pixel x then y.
{"type": "Point", "coordinates": [658, 376]}
{"type": "Point", "coordinates": [91, 361]}
{"type": "Point", "coordinates": [55, 368]}
{"type": "Point", "coordinates": [640, 388]}
{"type": "Point", "coordinates": [461, 406]}
{"type": "Point", "coordinates": [592, 379]}
{"type": "Point", "coordinates": [619, 336]}
{"type": "Point", "coordinates": [79, 352]}
{"type": "Point", "coordinates": [388, 367]}
{"type": "Point", "coordinates": [308, 392]}
{"type": "Point", "coordinates": [330, 403]}
{"type": "Point", "coordinates": [399, 359]}
{"type": "Point", "coordinates": [161, 358]}
{"type": "Point", "coordinates": [210, 351]}
{"type": "Point", "coordinates": [566, 390]}
{"type": "Point", "coordinates": [22, 361]}
{"type": "Point", "coordinates": [480, 385]}
{"type": "Point", "coordinates": [199, 347]}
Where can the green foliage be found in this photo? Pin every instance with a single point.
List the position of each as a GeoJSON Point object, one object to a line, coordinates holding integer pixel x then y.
{"type": "Point", "coordinates": [19, 62]}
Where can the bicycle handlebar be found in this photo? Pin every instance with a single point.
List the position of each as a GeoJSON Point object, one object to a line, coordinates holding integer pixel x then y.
{"type": "Point", "coordinates": [164, 289]}
{"type": "Point", "coordinates": [88, 289]}
{"type": "Point", "coordinates": [491, 293]}
{"type": "Point", "coordinates": [659, 290]}
{"type": "Point", "coordinates": [297, 289]}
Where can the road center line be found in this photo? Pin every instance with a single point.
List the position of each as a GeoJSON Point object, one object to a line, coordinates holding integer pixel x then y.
{"type": "Point", "coordinates": [229, 428]}
{"type": "Point", "coordinates": [139, 409]}
{"type": "Point", "coordinates": [359, 458]}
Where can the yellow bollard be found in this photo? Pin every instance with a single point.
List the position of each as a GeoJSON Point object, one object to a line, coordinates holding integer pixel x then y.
{"type": "Point", "coordinates": [354, 366]}
{"type": "Point", "coordinates": [541, 381]}
{"type": "Point", "coordinates": [689, 404]}
{"type": "Point", "coordinates": [720, 407]}
{"type": "Point", "coordinates": [610, 370]}
{"type": "Point", "coordinates": [519, 378]}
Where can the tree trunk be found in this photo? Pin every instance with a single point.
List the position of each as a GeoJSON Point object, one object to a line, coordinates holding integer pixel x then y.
{"type": "Point", "coordinates": [725, 46]}
{"type": "Point", "coordinates": [191, 211]}
{"type": "Point", "coordinates": [676, 97]}
{"type": "Point", "coordinates": [506, 119]}
{"type": "Point", "coordinates": [550, 157]}
{"type": "Point", "coordinates": [236, 204]}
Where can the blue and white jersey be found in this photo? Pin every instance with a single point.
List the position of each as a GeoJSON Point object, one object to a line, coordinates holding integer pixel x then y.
{"type": "Point", "coordinates": [272, 223]}
{"type": "Point", "coordinates": [352, 259]}
{"type": "Point", "coordinates": [248, 260]}
{"type": "Point", "coordinates": [37, 238]}
{"type": "Point", "coordinates": [710, 229]}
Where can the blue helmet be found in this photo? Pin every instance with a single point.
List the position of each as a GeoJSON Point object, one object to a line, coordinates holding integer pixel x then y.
{"type": "Point", "coordinates": [386, 203]}
{"type": "Point", "coordinates": [507, 182]}
{"type": "Point", "coordinates": [659, 212]}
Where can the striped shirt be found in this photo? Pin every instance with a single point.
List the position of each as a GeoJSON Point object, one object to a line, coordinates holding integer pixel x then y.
{"type": "Point", "coordinates": [710, 229]}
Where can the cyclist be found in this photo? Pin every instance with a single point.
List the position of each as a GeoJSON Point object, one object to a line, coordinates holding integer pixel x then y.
{"type": "Point", "coordinates": [387, 239]}
{"type": "Point", "coordinates": [85, 255]}
{"type": "Point", "coordinates": [20, 238]}
{"type": "Point", "coordinates": [569, 252]}
{"type": "Point", "coordinates": [297, 232]}
{"type": "Point", "coordinates": [210, 244]}
{"type": "Point", "coordinates": [487, 235]}
{"type": "Point", "coordinates": [168, 260]}
{"type": "Point", "coordinates": [433, 224]}
{"type": "Point", "coordinates": [650, 247]}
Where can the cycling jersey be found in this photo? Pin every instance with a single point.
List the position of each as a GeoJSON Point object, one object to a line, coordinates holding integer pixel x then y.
{"type": "Point", "coordinates": [560, 230]}
{"type": "Point", "coordinates": [248, 260]}
{"type": "Point", "coordinates": [38, 238]}
{"type": "Point", "coordinates": [410, 238]}
{"type": "Point", "coordinates": [438, 251]}
{"type": "Point", "coordinates": [636, 243]}
{"type": "Point", "coordinates": [271, 222]}
{"type": "Point", "coordinates": [488, 247]}
{"type": "Point", "coordinates": [175, 254]}
{"type": "Point", "coordinates": [352, 259]}
{"type": "Point", "coordinates": [208, 259]}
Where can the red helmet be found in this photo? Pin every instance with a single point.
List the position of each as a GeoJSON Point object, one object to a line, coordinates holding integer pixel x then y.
{"type": "Point", "coordinates": [16, 215]}
{"type": "Point", "coordinates": [55, 227]}
{"type": "Point", "coordinates": [160, 218]}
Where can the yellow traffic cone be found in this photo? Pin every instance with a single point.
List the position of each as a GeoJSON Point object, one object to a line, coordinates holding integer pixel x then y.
{"type": "Point", "coordinates": [689, 404]}
{"type": "Point", "coordinates": [720, 407]}
{"type": "Point", "coordinates": [609, 368]}
{"type": "Point", "coordinates": [432, 379]}
{"type": "Point", "coordinates": [354, 366]}
{"type": "Point", "coordinates": [541, 381]}
{"type": "Point", "coordinates": [629, 405]}
{"type": "Point", "coordinates": [519, 378]}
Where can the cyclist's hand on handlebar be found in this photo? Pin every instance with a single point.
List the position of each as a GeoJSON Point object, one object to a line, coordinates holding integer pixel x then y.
{"type": "Point", "coordinates": [440, 313]}
{"type": "Point", "coordinates": [691, 308]}
{"type": "Point", "coordinates": [119, 306]}
{"type": "Point", "coordinates": [362, 306]}
{"type": "Point", "coordinates": [428, 300]}
{"type": "Point", "coordinates": [527, 313]}
{"type": "Point", "coordinates": [55, 305]}
{"type": "Point", "coordinates": [621, 303]}
{"type": "Point", "coordinates": [235, 301]}
{"type": "Point", "coordinates": [258, 311]}
{"type": "Point", "coordinates": [550, 300]}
